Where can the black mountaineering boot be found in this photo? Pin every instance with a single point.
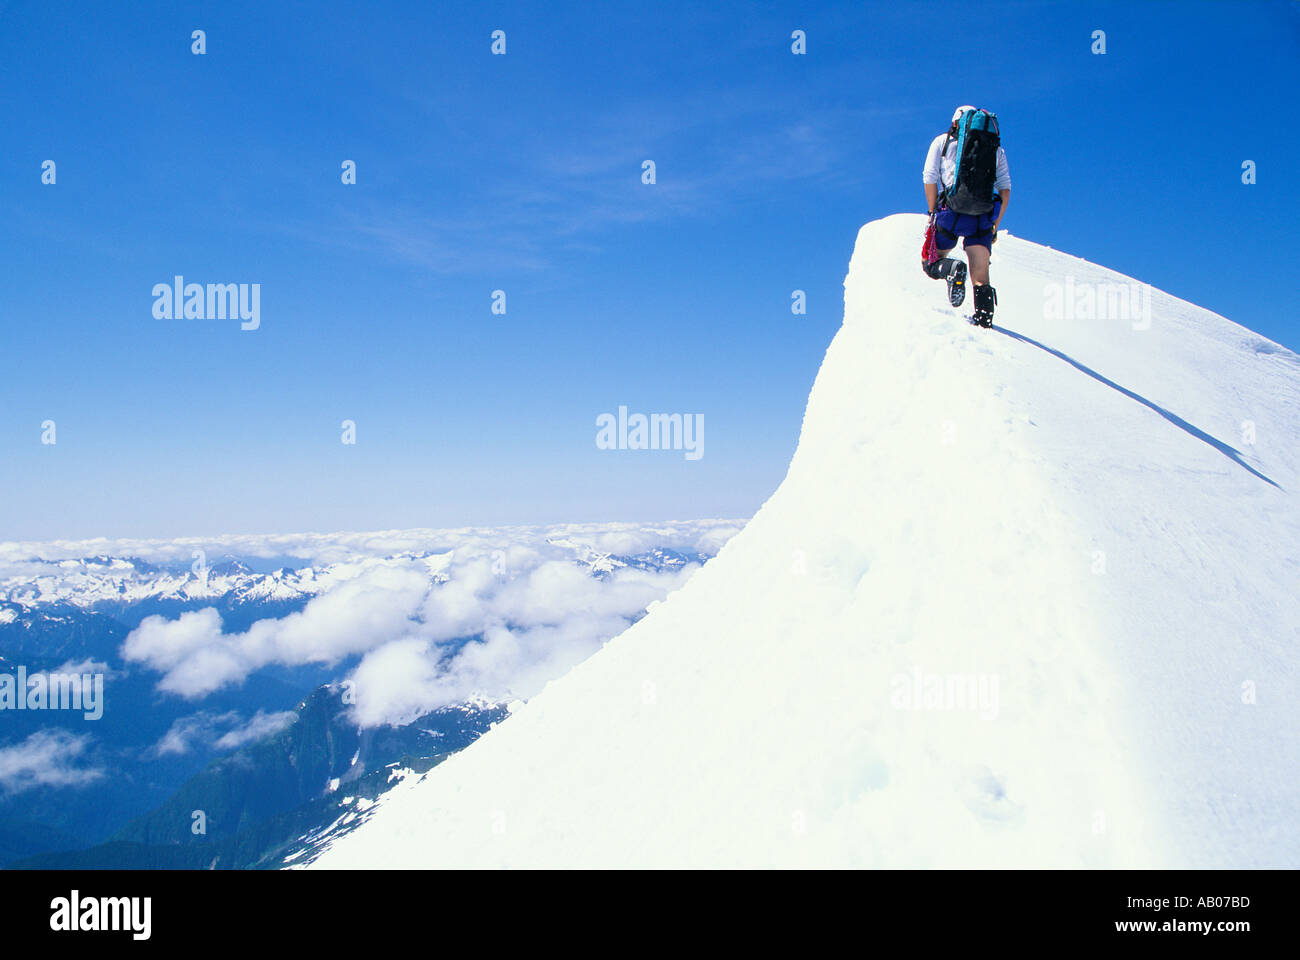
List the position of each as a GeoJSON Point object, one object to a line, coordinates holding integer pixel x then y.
{"type": "Point", "coordinates": [939, 269]}
{"type": "Point", "coordinates": [954, 271]}
{"type": "Point", "coordinates": [986, 298]}
{"type": "Point", "coordinates": [957, 284]}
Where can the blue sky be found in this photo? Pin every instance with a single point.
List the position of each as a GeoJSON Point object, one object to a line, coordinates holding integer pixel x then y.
{"type": "Point", "coordinates": [522, 172]}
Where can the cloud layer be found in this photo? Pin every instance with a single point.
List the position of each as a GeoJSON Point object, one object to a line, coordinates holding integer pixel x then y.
{"type": "Point", "coordinates": [528, 629]}
{"type": "Point", "coordinates": [496, 615]}
{"type": "Point", "coordinates": [223, 731]}
{"type": "Point", "coordinates": [705, 536]}
{"type": "Point", "coordinates": [198, 658]}
{"type": "Point", "coordinates": [47, 758]}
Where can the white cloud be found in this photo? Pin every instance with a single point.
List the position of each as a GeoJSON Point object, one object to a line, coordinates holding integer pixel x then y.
{"type": "Point", "coordinates": [533, 628]}
{"type": "Point", "coordinates": [197, 658]}
{"type": "Point", "coordinates": [164, 644]}
{"type": "Point", "coordinates": [258, 726]}
{"type": "Point", "coordinates": [88, 665]}
{"type": "Point", "coordinates": [526, 594]}
{"type": "Point", "coordinates": [394, 683]}
{"type": "Point", "coordinates": [204, 728]}
{"type": "Point", "coordinates": [185, 731]}
{"type": "Point", "coordinates": [47, 758]}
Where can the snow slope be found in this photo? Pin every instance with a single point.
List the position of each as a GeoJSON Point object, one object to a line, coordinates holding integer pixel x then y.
{"type": "Point", "coordinates": [1062, 512]}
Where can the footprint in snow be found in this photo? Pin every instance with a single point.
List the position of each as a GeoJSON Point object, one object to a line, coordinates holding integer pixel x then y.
{"type": "Point", "coordinates": [985, 795]}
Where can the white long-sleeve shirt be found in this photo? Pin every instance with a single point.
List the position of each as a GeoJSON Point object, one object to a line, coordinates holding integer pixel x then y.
{"type": "Point", "coordinates": [945, 167]}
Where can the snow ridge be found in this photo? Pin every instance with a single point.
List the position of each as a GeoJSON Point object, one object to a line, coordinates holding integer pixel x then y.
{"type": "Point", "coordinates": [1025, 598]}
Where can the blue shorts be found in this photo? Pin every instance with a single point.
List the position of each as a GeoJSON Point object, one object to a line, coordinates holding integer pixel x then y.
{"type": "Point", "coordinates": [977, 230]}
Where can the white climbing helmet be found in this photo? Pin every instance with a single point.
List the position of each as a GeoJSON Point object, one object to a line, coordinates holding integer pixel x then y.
{"type": "Point", "coordinates": [956, 114]}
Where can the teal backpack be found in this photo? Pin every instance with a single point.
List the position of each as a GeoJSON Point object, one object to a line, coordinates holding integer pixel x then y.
{"type": "Point", "coordinates": [978, 140]}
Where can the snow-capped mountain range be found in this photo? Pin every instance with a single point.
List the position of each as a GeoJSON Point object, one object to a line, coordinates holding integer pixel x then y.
{"type": "Point", "coordinates": [89, 582]}
{"type": "Point", "coordinates": [94, 583]}
{"type": "Point", "coordinates": [105, 582]}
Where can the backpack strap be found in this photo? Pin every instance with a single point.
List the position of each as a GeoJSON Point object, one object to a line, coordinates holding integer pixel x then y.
{"type": "Point", "coordinates": [943, 190]}
{"type": "Point", "coordinates": [963, 128]}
